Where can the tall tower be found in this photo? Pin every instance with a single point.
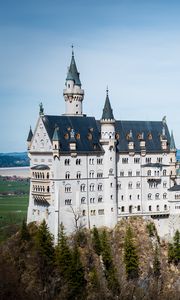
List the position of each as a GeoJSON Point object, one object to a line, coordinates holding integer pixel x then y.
{"type": "Point", "coordinates": [73, 94]}
{"type": "Point", "coordinates": [108, 143]}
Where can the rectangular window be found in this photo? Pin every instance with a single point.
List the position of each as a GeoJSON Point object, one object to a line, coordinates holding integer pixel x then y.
{"type": "Point", "coordinates": [101, 211]}
{"type": "Point", "coordinates": [137, 160]}
{"type": "Point", "coordinates": [125, 160]}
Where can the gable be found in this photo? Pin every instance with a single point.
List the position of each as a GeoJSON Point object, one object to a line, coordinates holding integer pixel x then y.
{"type": "Point", "coordinates": [41, 141]}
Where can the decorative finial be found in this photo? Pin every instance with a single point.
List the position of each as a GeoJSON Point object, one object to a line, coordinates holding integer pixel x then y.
{"type": "Point", "coordinates": [72, 133]}
{"type": "Point", "coordinates": [41, 109]}
{"type": "Point", "coordinates": [164, 120]}
{"type": "Point", "coordinates": [107, 91]}
{"type": "Point", "coordinates": [72, 46]}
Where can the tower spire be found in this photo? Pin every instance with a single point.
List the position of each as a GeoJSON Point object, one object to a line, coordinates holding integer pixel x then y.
{"type": "Point", "coordinates": [172, 142]}
{"type": "Point", "coordinates": [107, 110]}
{"type": "Point", "coordinates": [73, 94]}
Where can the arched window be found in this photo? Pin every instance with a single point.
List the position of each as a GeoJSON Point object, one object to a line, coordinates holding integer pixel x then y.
{"type": "Point", "coordinates": [130, 185]}
{"type": "Point", "coordinates": [130, 197]}
{"type": "Point", "coordinates": [165, 207]}
{"type": "Point", "coordinates": [91, 174]}
{"type": "Point", "coordinates": [149, 173]}
{"type": "Point", "coordinates": [138, 185]}
{"type": "Point", "coordinates": [91, 187]}
{"type": "Point", "coordinates": [119, 185]}
{"type": "Point", "coordinates": [122, 208]}
{"type": "Point", "coordinates": [138, 208]}
{"type": "Point", "coordinates": [149, 196]}
{"type": "Point", "coordinates": [99, 174]}
{"type": "Point", "coordinates": [83, 200]}
{"type": "Point", "coordinates": [150, 208]}
{"type": "Point", "coordinates": [82, 187]}
{"type": "Point", "coordinates": [100, 187]}
{"type": "Point", "coordinates": [164, 172]}
{"type": "Point", "coordinates": [100, 199]}
{"type": "Point", "coordinates": [67, 162]}
{"type": "Point", "coordinates": [67, 175]}
{"type": "Point", "coordinates": [78, 161]}
{"type": "Point", "coordinates": [157, 196]}
{"type": "Point", "coordinates": [157, 207]}
{"type": "Point", "coordinates": [164, 196]}
{"type": "Point", "coordinates": [78, 175]}
{"type": "Point", "coordinates": [130, 173]}
{"type": "Point", "coordinates": [47, 175]}
{"type": "Point", "coordinates": [138, 197]}
{"type": "Point", "coordinates": [48, 189]}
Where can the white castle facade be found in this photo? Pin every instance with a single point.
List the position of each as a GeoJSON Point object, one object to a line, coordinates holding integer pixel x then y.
{"type": "Point", "coordinates": [87, 172]}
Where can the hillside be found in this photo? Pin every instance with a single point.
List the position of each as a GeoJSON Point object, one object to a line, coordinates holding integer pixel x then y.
{"type": "Point", "coordinates": [87, 265]}
{"type": "Point", "coordinates": [14, 159]}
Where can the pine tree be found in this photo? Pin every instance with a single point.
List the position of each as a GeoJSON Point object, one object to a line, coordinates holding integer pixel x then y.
{"type": "Point", "coordinates": [110, 271]}
{"type": "Point", "coordinates": [24, 233]}
{"type": "Point", "coordinates": [78, 282]}
{"type": "Point", "coordinates": [44, 243]}
{"type": "Point", "coordinates": [156, 263]}
{"type": "Point", "coordinates": [170, 253]}
{"type": "Point", "coordinates": [63, 255]}
{"type": "Point", "coordinates": [130, 256]}
{"type": "Point", "coordinates": [96, 241]}
{"type": "Point", "coordinates": [176, 247]}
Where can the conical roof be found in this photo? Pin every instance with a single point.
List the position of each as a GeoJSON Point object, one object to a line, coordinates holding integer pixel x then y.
{"type": "Point", "coordinates": [73, 72]}
{"type": "Point", "coordinates": [107, 110]}
{"type": "Point", "coordinates": [56, 134]}
{"type": "Point", "coordinates": [30, 135]}
{"type": "Point", "coordinates": [172, 142]}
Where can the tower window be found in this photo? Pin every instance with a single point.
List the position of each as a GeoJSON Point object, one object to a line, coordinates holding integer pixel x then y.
{"type": "Point", "coordinates": [68, 85]}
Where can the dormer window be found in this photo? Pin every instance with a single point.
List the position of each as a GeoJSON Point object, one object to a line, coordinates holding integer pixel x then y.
{"type": "Point", "coordinates": [149, 136]}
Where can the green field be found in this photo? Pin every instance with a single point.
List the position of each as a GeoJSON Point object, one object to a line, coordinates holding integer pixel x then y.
{"type": "Point", "coordinates": [13, 206]}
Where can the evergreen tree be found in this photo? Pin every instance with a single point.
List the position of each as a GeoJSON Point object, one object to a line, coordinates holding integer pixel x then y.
{"type": "Point", "coordinates": [78, 282]}
{"type": "Point", "coordinates": [156, 263]}
{"type": "Point", "coordinates": [96, 241]}
{"type": "Point", "coordinates": [24, 233]}
{"type": "Point", "coordinates": [63, 255]}
{"type": "Point", "coordinates": [110, 271]}
{"type": "Point", "coordinates": [130, 256]}
{"type": "Point", "coordinates": [176, 247]}
{"type": "Point", "coordinates": [170, 253]}
{"type": "Point", "coordinates": [44, 243]}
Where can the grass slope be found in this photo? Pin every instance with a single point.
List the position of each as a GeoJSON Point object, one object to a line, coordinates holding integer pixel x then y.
{"type": "Point", "coordinates": [13, 206]}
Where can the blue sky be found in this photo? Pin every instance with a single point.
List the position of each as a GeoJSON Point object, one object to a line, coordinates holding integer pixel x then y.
{"type": "Point", "coordinates": [133, 46]}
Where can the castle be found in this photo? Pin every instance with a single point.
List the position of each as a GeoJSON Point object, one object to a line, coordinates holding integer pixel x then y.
{"type": "Point", "coordinates": [87, 172]}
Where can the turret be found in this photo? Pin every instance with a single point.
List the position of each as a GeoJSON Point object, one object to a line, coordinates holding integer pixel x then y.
{"type": "Point", "coordinates": [56, 142]}
{"type": "Point", "coordinates": [108, 143]}
{"type": "Point", "coordinates": [73, 94]}
{"type": "Point", "coordinates": [107, 121]}
{"type": "Point", "coordinates": [172, 143]}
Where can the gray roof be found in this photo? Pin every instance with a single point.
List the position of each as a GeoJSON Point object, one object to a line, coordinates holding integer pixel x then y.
{"type": "Point", "coordinates": [172, 142]}
{"type": "Point", "coordinates": [73, 73]}
{"type": "Point", "coordinates": [87, 133]}
{"type": "Point", "coordinates": [107, 110]}
{"type": "Point", "coordinates": [155, 165]}
{"type": "Point", "coordinates": [151, 131]}
{"type": "Point", "coordinates": [30, 135]}
{"type": "Point", "coordinates": [40, 167]}
{"type": "Point", "coordinates": [175, 188]}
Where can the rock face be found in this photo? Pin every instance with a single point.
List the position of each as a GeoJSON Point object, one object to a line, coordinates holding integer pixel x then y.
{"type": "Point", "coordinates": [25, 274]}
